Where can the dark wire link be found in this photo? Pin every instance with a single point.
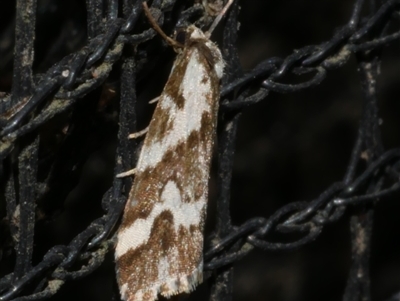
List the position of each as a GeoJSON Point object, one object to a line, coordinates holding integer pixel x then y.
{"type": "Point", "coordinates": [382, 161]}
{"type": "Point", "coordinates": [110, 219]}
{"type": "Point", "coordinates": [64, 257]}
{"type": "Point", "coordinates": [329, 47]}
{"type": "Point", "coordinates": [138, 38]}
{"type": "Point", "coordinates": [49, 85]}
{"type": "Point", "coordinates": [387, 8]}
{"type": "Point", "coordinates": [295, 58]}
{"type": "Point", "coordinates": [274, 219]}
{"type": "Point", "coordinates": [288, 88]}
{"type": "Point", "coordinates": [339, 38]}
{"type": "Point", "coordinates": [368, 197]}
{"type": "Point", "coordinates": [243, 102]}
{"type": "Point", "coordinates": [58, 106]}
{"type": "Point", "coordinates": [75, 67]}
{"type": "Point", "coordinates": [246, 248]}
{"type": "Point", "coordinates": [105, 42]}
{"type": "Point", "coordinates": [96, 258]}
{"type": "Point", "coordinates": [133, 17]}
{"type": "Point", "coordinates": [375, 43]}
{"type": "Point", "coordinates": [229, 258]}
{"type": "Point", "coordinates": [314, 231]}
{"type": "Point", "coordinates": [237, 233]}
{"type": "Point", "coordinates": [315, 204]}
{"type": "Point", "coordinates": [78, 243]}
{"type": "Point", "coordinates": [100, 73]}
{"type": "Point", "coordinates": [262, 69]}
{"type": "Point", "coordinates": [53, 257]}
{"type": "Point", "coordinates": [329, 214]}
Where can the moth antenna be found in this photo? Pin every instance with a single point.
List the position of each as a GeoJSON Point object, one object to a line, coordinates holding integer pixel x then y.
{"type": "Point", "coordinates": [218, 18]}
{"type": "Point", "coordinates": [157, 28]}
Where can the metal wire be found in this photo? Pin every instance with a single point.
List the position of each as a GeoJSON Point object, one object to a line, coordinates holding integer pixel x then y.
{"type": "Point", "coordinates": [120, 47]}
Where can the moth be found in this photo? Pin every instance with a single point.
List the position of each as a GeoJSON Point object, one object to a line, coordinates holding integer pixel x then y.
{"type": "Point", "coordinates": [160, 240]}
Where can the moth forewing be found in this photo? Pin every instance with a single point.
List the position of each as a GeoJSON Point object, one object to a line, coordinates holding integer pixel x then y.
{"type": "Point", "coordinates": [160, 240]}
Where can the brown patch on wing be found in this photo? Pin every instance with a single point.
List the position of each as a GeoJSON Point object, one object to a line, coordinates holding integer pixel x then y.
{"type": "Point", "coordinates": [206, 121]}
{"type": "Point", "coordinates": [139, 268]}
{"type": "Point", "coordinates": [173, 85]}
{"type": "Point", "coordinates": [145, 198]}
{"type": "Point", "coordinates": [162, 123]}
{"type": "Point", "coordinates": [144, 260]}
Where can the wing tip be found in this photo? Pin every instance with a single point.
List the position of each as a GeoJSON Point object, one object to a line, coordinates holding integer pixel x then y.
{"type": "Point", "coordinates": [178, 285]}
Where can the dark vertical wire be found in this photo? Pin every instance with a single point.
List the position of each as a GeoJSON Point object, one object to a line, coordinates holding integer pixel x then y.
{"type": "Point", "coordinates": [361, 222]}
{"type": "Point", "coordinates": [357, 148]}
{"type": "Point", "coordinates": [27, 171]}
{"type": "Point", "coordinates": [222, 286]}
{"type": "Point", "coordinates": [112, 10]}
{"type": "Point", "coordinates": [358, 286]}
{"type": "Point", "coordinates": [127, 121]}
{"type": "Point", "coordinates": [25, 23]}
{"type": "Point", "coordinates": [22, 87]}
{"type": "Point", "coordinates": [127, 116]}
{"type": "Point", "coordinates": [94, 17]}
{"type": "Point", "coordinates": [127, 124]}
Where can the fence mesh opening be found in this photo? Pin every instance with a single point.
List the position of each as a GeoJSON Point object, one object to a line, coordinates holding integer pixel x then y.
{"type": "Point", "coordinates": [303, 193]}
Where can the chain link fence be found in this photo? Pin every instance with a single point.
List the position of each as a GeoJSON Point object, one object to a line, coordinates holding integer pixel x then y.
{"type": "Point", "coordinates": [75, 81]}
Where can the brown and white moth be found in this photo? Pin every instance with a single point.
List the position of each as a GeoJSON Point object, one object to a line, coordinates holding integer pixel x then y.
{"type": "Point", "coordinates": [160, 240]}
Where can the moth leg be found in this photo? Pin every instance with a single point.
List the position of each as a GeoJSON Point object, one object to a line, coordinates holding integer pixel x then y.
{"type": "Point", "coordinates": [144, 131]}
{"type": "Point", "coordinates": [132, 171]}
{"type": "Point", "coordinates": [126, 173]}
{"type": "Point", "coordinates": [138, 134]}
{"type": "Point", "coordinates": [154, 100]}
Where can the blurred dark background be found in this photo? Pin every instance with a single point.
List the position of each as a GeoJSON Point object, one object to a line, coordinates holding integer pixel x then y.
{"type": "Point", "coordinates": [290, 147]}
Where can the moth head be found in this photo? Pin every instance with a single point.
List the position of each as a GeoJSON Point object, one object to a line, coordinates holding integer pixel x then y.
{"type": "Point", "coordinates": [189, 34]}
{"type": "Point", "coordinates": [185, 36]}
